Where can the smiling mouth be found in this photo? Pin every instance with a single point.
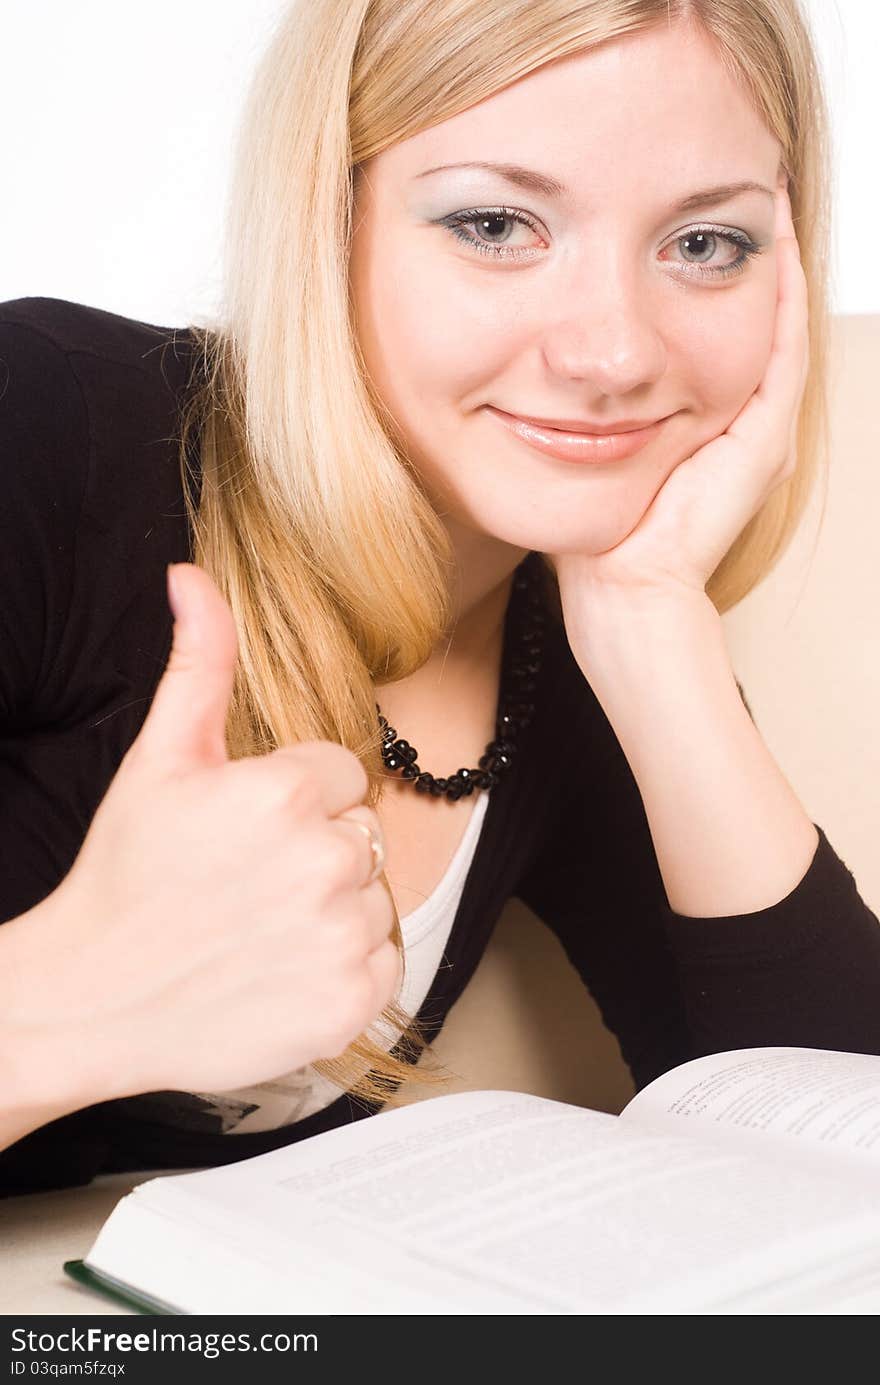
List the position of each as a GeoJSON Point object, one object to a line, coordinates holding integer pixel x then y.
{"type": "Point", "coordinates": [578, 446]}
{"type": "Point", "coordinates": [579, 427]}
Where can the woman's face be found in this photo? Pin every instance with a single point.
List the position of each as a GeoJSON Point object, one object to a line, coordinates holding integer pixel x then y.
{"type": "Point", "coordinates": [603, 302]}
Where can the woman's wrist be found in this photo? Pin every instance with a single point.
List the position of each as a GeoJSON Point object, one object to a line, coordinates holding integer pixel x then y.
{"type": "Point", "coordinates": [617, 636]}
{"type": "Point", "coordinates": [50, 1062]}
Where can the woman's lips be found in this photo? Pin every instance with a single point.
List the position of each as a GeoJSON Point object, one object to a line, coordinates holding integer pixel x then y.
{"type": "Point", "coordinates": [578, 447]}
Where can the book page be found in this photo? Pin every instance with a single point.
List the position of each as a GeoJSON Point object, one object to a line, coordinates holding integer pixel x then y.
{"type": "Point", "coordinates": [491, 1202]}
{"type": "Point", "coordinates": [824, 1103]}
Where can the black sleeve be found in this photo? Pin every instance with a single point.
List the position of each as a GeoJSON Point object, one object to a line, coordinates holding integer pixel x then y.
{"type": "Point", "coordinates": [44, 456]}
{"type": "Point", "coordinates": [803, 972]}
{"type": "Point", "coordinates": [92, 512]}
{"type": "Point", "coordinates": [66, 1153]}
{"type": "Point", "coordinates": [44, 459]}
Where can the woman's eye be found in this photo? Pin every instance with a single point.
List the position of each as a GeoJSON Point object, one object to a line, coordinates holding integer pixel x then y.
{"type": "Point", "coordinates": [702, 244]}
{"type": "Point", "coordinates": [495, 234]}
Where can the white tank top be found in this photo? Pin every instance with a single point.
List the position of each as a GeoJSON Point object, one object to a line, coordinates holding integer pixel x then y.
{"type": "Point", "coordinates": [425, 931]}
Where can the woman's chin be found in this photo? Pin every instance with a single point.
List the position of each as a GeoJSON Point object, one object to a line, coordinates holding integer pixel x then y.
{"type": "Point", "coordinates": [557, 537]}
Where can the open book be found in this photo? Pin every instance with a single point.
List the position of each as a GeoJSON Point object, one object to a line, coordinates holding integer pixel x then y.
{"type": "Point", "coordinates": [744, 1182]}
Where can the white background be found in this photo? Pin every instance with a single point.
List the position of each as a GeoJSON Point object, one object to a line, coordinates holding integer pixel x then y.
{"type": "Point", "coordinates": [117, 125]}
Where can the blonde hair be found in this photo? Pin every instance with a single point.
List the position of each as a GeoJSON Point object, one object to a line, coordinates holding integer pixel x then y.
{"type": "Point", "coordinates": [308, 516]}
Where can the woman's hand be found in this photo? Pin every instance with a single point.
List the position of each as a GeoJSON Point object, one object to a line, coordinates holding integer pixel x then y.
{"type": "Point", "coordinates": [709, 498]}
{"type": "Point", "coordinates": [220, 925]}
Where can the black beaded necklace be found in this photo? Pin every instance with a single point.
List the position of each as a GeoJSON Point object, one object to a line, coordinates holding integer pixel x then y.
{"type": "Point", "coordinates": [515, 705]}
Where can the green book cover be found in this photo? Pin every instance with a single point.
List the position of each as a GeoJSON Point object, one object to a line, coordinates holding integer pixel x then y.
{"type": "Point", "coordinates": [114, 1289]}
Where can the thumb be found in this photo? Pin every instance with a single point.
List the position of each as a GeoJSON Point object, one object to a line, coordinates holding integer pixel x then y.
{"type": "Point", "coordinates": [186, 721]}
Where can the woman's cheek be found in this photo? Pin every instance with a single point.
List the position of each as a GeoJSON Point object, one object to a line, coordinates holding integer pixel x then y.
{"type": "Point", "coordinates": [455, 330]}
{"type": "Point", "coordinates": [729, 358]}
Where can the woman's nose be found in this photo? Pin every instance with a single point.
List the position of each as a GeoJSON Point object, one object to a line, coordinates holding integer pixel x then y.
{"type": "Point", "coordinates": [602, 330]}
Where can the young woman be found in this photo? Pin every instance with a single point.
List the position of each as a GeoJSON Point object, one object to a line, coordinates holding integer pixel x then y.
{"type": "Point", "coordinates": [513, 393]}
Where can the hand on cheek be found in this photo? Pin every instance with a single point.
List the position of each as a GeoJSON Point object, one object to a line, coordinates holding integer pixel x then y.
{"type": "Point", "coordinates": [708, 499]}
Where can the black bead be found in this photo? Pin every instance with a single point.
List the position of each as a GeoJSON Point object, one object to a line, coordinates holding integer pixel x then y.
{"type": "Point", "coordinates": [411, 772]}
{"type": "Point", "coordinates": [462, 781]}
{"type": "Point", "coordinates": [521, 707]}
{"type": "Point", "coordinates": [498, 747]}
{"type": "Point", "coordinates": [424, 782]}
{"type": "Point", "coordinates": [407, 752]}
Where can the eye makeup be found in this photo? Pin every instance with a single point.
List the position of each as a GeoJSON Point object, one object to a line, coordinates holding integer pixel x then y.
{"type": "Point", "coordinates": [457, 221]}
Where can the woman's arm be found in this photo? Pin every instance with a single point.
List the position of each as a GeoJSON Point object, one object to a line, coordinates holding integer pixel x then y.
{"type": "Point", "coordinates": [803, 970]}
{"type": "Point", "coordinates": [46, 1071]}
{"type": "Point", "coordinates": [730, 834]}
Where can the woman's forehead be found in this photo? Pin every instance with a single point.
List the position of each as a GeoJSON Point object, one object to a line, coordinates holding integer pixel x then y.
{"type": "Point", "coordinates": [616, 114]}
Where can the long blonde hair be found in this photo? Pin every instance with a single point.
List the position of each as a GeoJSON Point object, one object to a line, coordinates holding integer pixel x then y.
{"type": "Point", "coordinates": [304, 511]}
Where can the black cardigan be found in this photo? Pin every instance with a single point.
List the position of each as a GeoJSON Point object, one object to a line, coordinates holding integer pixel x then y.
{"type": "Point", "coordinates": [92, 513]}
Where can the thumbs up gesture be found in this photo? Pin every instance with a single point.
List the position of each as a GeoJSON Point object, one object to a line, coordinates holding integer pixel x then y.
{"type": "Point", "coordinates": [220, 925]}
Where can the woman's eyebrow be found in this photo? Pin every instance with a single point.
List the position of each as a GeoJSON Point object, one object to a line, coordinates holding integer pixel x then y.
{"type": "Point", "coordinates": [545, 186]}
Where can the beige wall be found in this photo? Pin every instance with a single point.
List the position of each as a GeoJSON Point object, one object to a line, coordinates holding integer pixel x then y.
{"type": "Point", "coordinates": [806, 643]}
{"type": "Point", "coordinates": [806, 647]}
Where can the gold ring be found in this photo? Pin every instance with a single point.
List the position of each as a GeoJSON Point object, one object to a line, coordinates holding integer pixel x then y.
{"type": "Point", "coordinates": [376, 846]}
